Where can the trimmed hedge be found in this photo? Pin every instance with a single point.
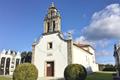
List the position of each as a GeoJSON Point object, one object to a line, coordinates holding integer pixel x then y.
{"type": "Point", "coordinates": [25, 71]}
{"type": "Point", "coordinates": [75, 72]}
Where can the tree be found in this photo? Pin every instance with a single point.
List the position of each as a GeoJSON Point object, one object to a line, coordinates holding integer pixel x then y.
{"type": "Point", "coordinates": [26, 57]}
{"type": "Point", "coordinates": [23, 56]}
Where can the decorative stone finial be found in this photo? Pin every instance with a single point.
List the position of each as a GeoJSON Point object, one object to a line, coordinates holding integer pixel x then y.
{"type": "Point", "coordinates": [52, 5]}
{"type": "Point", "coordinates": [35, 40]}
{"type": "Point", "coordinates": [18, 53]}
{"type": "Point", "coordinates": [3, 51]}
{"type": "Point", "coordinates": [69, 35]}
{"type": "Point", "coordinates": [9, 51]}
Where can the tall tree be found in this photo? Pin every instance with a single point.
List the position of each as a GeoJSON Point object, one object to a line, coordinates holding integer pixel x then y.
{"type": "Point", "coordinates": [23, 56]}
{"type": "Point", "coordinates": [28, 57]}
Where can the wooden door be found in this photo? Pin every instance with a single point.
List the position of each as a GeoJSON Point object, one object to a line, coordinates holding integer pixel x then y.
{"type": "Point", "coordinates": [50, 69]}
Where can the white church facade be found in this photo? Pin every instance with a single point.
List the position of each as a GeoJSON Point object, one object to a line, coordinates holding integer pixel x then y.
{"type": "Point", "coordinates": [52, 52]}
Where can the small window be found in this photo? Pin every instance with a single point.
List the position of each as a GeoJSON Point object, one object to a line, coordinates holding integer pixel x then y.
{"type": "Point", "coordinates": [50, 45]}
{"type": "Point", "coordinates": [53, 25]}
{"type": "Point", "coordinates": [48, 25]}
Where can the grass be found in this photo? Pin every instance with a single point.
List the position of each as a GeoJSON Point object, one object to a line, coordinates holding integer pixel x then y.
{"type": "Point", "coordinates": [5, 78]}
{"type": "Point", "coordinates": [93, 76]}
{"type": "Point", "coordinates": [100, 76]}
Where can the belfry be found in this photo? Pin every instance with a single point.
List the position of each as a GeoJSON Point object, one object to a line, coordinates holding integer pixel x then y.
{"type": "Point", "coordinates": [52, 20]}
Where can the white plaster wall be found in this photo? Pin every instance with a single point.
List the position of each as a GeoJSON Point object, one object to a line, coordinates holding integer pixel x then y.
{"type": "Point", "coordinates": [59, 55]}
{"type": "Point", "coordinates": [91, 50]}
{"type": "Point", "coordinates": [93, 64]}
{"type": "Point", "coordinates": [84, 58]}
{"type": "Point", "coordinates": [86, 48]}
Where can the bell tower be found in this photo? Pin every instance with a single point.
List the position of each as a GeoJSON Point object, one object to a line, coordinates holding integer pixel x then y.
{"type": "Point", "coordinates": [52, 21]}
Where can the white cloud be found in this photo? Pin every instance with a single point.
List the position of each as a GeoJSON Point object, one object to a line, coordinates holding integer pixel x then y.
{"type": "Point", "coordinates": [83, 40]}
{"type": "Point", "coordinates": [104, 27]}
{"type": "Point", "coordinates": [101, 43]}
{"type": "Point", "coordinates": [105, 24]}
{"type": "Point", "coordinates": [80, 39]}
{"type": "Point", "coordinates": [104, 53]}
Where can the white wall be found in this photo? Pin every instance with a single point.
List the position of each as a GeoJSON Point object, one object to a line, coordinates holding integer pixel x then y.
{"type": "Point", "coordinates": [58, 55]}
{"type": "Point", "coordinates": [84, 58]}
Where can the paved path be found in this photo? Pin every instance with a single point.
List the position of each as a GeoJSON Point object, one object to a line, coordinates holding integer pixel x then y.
{"type": "Point", "coordinates": [43, 78]}
{"type": "Point", "coordinates": [106, 72]}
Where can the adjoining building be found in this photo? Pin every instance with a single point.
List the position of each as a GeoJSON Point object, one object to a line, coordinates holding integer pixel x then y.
{"type": "Point", "coordinates": [52, 52]}
{"type": "Point", "coordinates": [117, 57]}
{"type": "Point", "coordinates": [8, 61]}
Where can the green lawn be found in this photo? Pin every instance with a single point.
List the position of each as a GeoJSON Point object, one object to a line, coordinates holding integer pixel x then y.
{"type": "Point", "coordinates": [4, 78]}
{"type": "Point", "coordinates": [93, 76]}
{"type": "Point", "coordinates": [100, 76]}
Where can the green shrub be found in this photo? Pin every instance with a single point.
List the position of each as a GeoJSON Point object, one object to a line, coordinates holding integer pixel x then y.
{"type": "Point", "coordinates": [75, 72]}
{"type": "Point", "coordinates": [109, 67]}
{"type": "Point", "coordinates": [25, 71]}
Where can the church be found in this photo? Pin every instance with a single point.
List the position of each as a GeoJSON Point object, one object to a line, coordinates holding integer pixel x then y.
{"type": "Point", "coordinates": [52, 52]}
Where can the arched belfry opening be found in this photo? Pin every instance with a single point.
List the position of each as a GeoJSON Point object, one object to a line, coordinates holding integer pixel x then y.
{"type": "Point", "coordinates": [52, 21]}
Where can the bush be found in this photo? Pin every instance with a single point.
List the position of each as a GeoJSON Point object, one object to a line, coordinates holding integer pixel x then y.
{"type": "Point", "coordinates": [109, 67]}
{"type": "Point", "coordinates": [75, 72]}
{"type": "Point", "coordinates": [25, 71]}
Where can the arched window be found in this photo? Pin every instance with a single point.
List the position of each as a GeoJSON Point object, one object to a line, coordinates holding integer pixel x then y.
{"type": "Point", "coordinates": [2, 62]}
{"type": "Point", "coordinates": [53, 25]}
{"type": "Point", "coordinates": [2, 65]}
{"type": "Point", "coordinates": [48, 27]}
{"type": "Point", "coordinates": [7, 66]}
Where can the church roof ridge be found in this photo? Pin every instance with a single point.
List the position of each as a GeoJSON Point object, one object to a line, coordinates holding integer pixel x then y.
{"type": "Point", "coordinates": [83, 45]}
{"type": "Point", "coordinates": [78, 45]}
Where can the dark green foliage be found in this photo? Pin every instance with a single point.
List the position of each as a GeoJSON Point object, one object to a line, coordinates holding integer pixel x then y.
{"type": "Point", "coordinates": [23, 56]}
{"type": "Point", "coordinates": [109, 69]}
{"type": "Point", "coordinates": [75, 72]}
{"type": "Point", "coordinates": [26, 57]}
{"type": "Point", "coordinates": [25, 71]}
{"type": "Point", "coordinates": [106, 67]}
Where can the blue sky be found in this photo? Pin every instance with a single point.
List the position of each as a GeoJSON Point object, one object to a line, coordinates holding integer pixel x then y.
{"type": "Point", "coordinates": [21, 22]}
